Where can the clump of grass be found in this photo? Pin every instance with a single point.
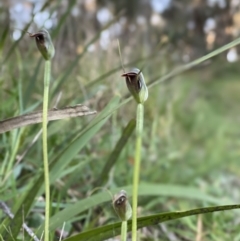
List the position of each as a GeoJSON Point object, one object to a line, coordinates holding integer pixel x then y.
{"type": "Point", "coordinates": [45, 46]}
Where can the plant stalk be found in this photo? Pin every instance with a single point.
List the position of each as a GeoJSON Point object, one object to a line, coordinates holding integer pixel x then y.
{"type": "Point", "coordinates": [124, 231]}
{"type": "Point", "coordinates": [47, 73]}
{"type": "Point", "coordinates": [139, 130]}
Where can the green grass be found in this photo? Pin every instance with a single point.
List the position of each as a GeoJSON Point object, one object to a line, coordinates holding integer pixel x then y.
{"type": "Point", "coordinates": [190, 148]}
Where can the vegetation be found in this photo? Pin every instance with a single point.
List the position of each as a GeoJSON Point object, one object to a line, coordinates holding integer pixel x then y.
{"type": "Point", "coordinates": [189, 170]}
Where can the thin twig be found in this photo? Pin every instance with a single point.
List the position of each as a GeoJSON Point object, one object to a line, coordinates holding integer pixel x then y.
{"type": "Point", "coordinates": [8, 212]}
{"type": "Point", "coordinates": [36, 117]}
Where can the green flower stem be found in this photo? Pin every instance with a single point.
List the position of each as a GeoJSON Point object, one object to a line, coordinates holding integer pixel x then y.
{"type": "Point", "coordinates": [45, 150]}
{"type": "Point", "coordinates": [139, 130]}
{"type": "Point", "coordinates": [124, 231]}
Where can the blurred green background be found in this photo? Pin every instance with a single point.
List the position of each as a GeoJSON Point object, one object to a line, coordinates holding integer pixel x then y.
{"type": "Point", "coordinates": [191, 129]}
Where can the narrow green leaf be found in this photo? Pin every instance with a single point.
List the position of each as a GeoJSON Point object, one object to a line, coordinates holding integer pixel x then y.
{"type": "Point", "coordinates": [144, 190]}
{"type": "Point", "coordinates": [32, 82]}
{"type": "Point", "coordinates": [63, 18]}
{"type": "Point", "coordinates": [108, 231]}
{"type": "Point", "coordinates": [4, 37]}
{"type": "Point", "coordinates": [127, 132]}
{"type": "Point", "coordinates": [190, 65]}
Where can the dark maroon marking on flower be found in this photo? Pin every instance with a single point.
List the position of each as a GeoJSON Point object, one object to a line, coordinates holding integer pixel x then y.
{"type": "Point", "coordinates": [132, 78]}
{"type": "Point", "coordinates": [120, 200]}
{"type": "Point", "coordinates": [39, 37]}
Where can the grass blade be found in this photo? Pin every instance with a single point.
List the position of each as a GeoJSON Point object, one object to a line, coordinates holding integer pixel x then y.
{"type": "Point", "coordinates": [4, 37]}
{"type": "Point", "coordinates": [63, 18]}
{"type": "Point", "coordinates": [127, 132]}
{"type": "Point", "coordinates": [198, 61]}
{"type": "Point", "coordinates": [108, 231]}
{"type": "Point", "coordinates": [144, 190]}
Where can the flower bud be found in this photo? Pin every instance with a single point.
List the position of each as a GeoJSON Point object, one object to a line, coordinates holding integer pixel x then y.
{"type": "Point", "coordinates": [44, 43]}
{"type": "Point", "coordinates": [122, 206]}
{"type": "Point", "coordinates": [136, 85]}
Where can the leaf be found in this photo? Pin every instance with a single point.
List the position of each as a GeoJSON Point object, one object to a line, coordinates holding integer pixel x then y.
{"type": "Point", "coordinates": [144, 190]}
{"type": "Point", "coordinates": [63, 18]}
{"type": "Point", "coordinates": [127, 132]}
{"type": "Point", "coordinates": [190, 65]}
{"type": "Point", "coordinates": [32, 82]}
{"type": "Point", "coordinates": [4, 37]}
{"type": "Point", "coordinates": [108, 231]}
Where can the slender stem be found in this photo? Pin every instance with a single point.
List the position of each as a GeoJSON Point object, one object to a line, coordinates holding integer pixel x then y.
{"type": "Point", "coordinates": [45, 151]}
{"type": "Point", "coordinates": [139, 129]}
{"type": "Point", "coordinates": [124, 231]}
